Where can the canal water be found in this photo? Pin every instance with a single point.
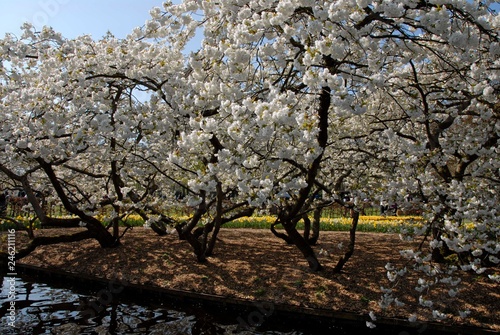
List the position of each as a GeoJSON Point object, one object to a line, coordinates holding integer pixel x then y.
{"type": "Point", "coordinates": [59, 308]}
{"type": "Point", "coordinates": [64, 306]}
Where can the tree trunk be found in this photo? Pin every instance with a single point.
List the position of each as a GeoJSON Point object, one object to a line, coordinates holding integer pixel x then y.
{"type": "Point", "coordinates": [288, 216]}
{"type": "Point", "coordinates": [214, 226]}
{"type": "Point", "coordinates": [159, 228]}
{"type": "Point", "coordinates": [31, 235]}
{"type": "Point", "coordinates": [352, 235]}
{"type": "Point", "coordinates": [100, 233]}
{"type": "Point", "coordinates": [213, 239]}
{"type": "Point", "coordinates": [307, 227]}
{"type": "Point", "coordinates": [116, 228]}
{"type": "Point", "coordinates": [186, 233]}
{"type": "Point", "coordinates": [276, 233]}
{"type": "Point", "coordinates": [315, 227]}
{"type": "Point", "coordinates": [437, 255]}
{"type": "Point", "coordinates": [95, 227]}
{"type": "Point", "coordinates": [193, 241]}
{"type": "Point", "coordinates": [219, 223]}
{"type": "Point", "coordinates": [303, 246]}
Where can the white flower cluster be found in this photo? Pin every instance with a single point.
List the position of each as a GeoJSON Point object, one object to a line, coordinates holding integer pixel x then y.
{"type": "Point", "coordinates": [281, 99]}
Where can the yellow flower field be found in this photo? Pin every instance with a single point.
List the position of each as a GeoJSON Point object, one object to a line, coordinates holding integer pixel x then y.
{"type": "Point", "coordinates": [365, 223]}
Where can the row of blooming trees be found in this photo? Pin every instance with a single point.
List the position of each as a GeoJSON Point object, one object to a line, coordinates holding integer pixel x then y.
{"type": "Point", "coordinates": [285, 105]}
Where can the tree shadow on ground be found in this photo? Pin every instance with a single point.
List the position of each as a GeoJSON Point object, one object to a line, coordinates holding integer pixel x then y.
{"type": "Point", "coordinates": [253, 264]}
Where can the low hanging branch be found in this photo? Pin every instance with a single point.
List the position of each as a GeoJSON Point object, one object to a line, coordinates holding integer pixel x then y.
{"type": "Point", "coordinates": [47, 240]}
{"type": "Point", "coordinates": [94, 226]}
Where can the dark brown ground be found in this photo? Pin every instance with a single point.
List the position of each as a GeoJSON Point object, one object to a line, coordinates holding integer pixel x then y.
{"type": "Point", "coordinates": [254, 264]}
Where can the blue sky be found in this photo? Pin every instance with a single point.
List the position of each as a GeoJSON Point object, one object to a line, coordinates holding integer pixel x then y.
{"type": "Point", "coordinates": [76, 17]}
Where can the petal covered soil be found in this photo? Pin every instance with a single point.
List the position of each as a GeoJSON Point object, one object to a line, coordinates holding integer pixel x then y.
{"type": "Point", "coordinates": [254, 264]}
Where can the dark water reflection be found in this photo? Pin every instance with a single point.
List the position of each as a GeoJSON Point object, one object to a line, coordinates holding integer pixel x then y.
{"type": "Point", "coordinates": [49, 309]}
{"type": "Point", "coordinates": [63, 306]}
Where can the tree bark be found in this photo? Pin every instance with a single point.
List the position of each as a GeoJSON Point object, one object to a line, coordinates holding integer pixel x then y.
{"type": "Point", "coordinates": [307, 227]}
{"type": "Point", "coordinates": [352, 242]}
{"type": "Point", "coordinates": [315, 227]}
{"type": "Point", "coordinates": [48, 240]}
{"type": "Point", "coordinates": [289, 214]}
{"type": "Point", "coordinates": [276, 233]}
{"type": "Point", "coordinates": [94, 226]}
{"type": "Point", "coordinates": [311, 228]}
{"type": "Point", "coordinates": [159, 228]}
{"type": "Point", "coordinates": [303, 246]}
